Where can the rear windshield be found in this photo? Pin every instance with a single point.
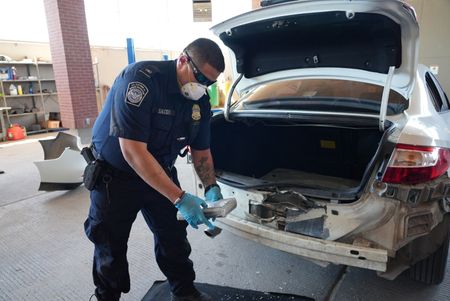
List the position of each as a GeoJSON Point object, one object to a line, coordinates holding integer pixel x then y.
{"type": "Point", "coordinates": [322, 94]}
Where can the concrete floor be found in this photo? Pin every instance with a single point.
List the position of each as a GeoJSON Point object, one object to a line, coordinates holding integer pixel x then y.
{"type": "Point", "coordinates": [44, 254]}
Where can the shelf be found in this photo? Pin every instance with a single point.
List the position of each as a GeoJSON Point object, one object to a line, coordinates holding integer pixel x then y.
{"type": "Point", "coordinates": [19, 80]}
{"type": "Point", "coordinates": [23, 95]}
{"type": "Point", "coordinates": [58, 129]}
{"type": "Point", "coordinates": [31, 95]}
{"type": "Point", "coordinates": [24, 114]}
{"type": "Point", "coordinates": [43, 91]}
{"type": "Point", "coordinates": [47, 130]}
{"type": "Point", "coordinates": [16, 63]}
{"type": "Point", "coordinates": [37, 132]}
{"type": "Point", "coordinates": [24, 63]}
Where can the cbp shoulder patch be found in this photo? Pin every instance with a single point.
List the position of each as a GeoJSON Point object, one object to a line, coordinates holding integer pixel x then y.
{"type": "Point", "coordinates": [136, 93]}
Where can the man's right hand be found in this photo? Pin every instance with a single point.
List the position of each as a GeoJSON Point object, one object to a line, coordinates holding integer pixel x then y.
{"type": "Point", "coordinates": [191, 208]}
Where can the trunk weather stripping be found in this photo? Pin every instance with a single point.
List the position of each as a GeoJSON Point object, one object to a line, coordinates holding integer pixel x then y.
{"type": "Point", "coordinates": [385, 97]}
{"type": "Point", "coordinates": [226, 112]}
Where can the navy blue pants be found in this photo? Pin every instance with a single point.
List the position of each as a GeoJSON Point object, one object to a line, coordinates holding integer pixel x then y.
{"type": "Point", "coordinates": [114, 207]}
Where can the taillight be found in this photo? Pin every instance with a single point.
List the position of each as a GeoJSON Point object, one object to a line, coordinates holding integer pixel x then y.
{"type": "Point", "coordinates": [410, 164]}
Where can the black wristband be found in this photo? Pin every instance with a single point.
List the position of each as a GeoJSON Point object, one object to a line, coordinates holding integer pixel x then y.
{"type": "Point", "coordinates": [210, 186]}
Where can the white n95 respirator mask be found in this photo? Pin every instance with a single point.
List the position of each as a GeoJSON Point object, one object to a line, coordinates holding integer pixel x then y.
{"type": "Point", "coordinates": [193, 90]}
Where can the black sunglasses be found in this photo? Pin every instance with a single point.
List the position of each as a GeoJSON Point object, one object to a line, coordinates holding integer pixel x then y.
{"type": "Point", "coordinates": [199, 76]}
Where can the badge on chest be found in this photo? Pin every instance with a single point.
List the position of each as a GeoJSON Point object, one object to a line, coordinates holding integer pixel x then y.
{"type": "Point", "coordinates": [196, 115]}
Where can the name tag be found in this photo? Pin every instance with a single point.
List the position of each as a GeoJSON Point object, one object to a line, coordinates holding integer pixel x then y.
{"type": "Point", "coordinates": [167, 112]}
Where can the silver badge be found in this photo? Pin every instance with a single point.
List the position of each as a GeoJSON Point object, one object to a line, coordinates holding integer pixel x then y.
{"type": "Point", "coordinates": [136, 93]}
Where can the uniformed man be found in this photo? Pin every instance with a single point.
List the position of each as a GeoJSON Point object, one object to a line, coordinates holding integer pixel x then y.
{"type": "Point", "coordinates": [154, 110]}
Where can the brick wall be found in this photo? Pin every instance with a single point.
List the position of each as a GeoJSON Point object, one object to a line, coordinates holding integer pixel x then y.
{"type": "Point", "coordinates": [72, 63]}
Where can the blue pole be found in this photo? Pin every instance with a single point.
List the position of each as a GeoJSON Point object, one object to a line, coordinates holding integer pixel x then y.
{"type": "Point", "coordinates": [130, 51]}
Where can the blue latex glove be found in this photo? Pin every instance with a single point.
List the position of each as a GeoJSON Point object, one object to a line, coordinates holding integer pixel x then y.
{"type": "Point", "coordinates": [213, 194]}
{"type": "Point", "coordinates": [190, 208]}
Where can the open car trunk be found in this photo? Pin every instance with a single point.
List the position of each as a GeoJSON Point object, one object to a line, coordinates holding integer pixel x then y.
{"type": "Point", "coordinates": [318, 160]}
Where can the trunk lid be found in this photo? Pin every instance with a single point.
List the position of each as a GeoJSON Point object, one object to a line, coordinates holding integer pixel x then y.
{"type": "Point", "coordinates": [367, 41]}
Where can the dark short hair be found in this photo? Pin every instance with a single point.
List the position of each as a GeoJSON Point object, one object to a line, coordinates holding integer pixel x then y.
{"type": "Point", "coordinates": [205, 51]}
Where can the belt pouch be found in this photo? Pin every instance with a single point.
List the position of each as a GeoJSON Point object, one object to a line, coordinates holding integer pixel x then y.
{"type": "Point", "coordinates": [92, 173]}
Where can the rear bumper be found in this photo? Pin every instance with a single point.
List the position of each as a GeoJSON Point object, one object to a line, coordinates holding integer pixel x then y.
{"type": "Point", "coordinates": [311, 248]}
{"type": "Point", "coordinates": [62, 173]}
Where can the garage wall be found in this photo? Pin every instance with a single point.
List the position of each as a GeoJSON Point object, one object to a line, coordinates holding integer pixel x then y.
{"type": "Point", "coordinates": [110, 60]}
{"type": "Point", "coordinates": [19, 50]}
{"type": "Point", "coordinates": [434, 21]}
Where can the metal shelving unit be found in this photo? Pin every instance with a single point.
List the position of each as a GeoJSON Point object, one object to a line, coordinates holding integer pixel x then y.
{"type": "Point", "coordinates": [38, 76]}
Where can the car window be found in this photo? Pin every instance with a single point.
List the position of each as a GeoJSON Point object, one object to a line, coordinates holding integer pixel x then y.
{"type": "Point", "coordinates": [441, 91]}
{"type": "Point", "coordinates": [322, 94]}
{"type": "Point", "coordinates": [437, 96]}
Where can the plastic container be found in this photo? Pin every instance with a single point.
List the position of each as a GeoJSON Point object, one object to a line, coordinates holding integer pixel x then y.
{"type": "Point", "coordinates": [16, 132]}
{"type": "Point", "coordinates": [12, 89]}
{"type": "Point", "coordinates": [226, 87]}
{"type": "Point", "coordinates": [12, 73]}
{"type": "Point", "coordinates": [213, 95]}
{"type": "Point", "coordinates": [19, 90]}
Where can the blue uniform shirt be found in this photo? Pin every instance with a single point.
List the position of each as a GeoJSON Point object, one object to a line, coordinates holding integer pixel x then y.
{"type": "Point", "coordinates": [145, 104]}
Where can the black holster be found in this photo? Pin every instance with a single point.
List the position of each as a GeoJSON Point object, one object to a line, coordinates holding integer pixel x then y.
{"type": "Point", "coordinates": [92, 174]}
{"type": "Point", "coordinates": [93, 170]}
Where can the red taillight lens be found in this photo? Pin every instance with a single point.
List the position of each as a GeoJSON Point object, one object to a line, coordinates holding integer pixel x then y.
{"type": "Point", "coordinates": [410, 164]}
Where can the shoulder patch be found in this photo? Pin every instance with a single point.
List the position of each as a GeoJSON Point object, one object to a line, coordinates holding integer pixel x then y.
{"type": "Point", "coordinates": [136, 93]}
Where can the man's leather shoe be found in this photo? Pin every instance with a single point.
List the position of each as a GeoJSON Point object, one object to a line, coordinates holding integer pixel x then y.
{"type": "Point", "coordinates": [198, 296]}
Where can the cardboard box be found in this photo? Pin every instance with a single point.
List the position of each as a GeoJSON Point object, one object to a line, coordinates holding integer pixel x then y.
{"type": "Point", "coordinates": [53, 124]}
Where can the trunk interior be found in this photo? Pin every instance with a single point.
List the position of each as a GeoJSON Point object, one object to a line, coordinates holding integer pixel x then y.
{"type": "Point", "coordinates": [316, 156]}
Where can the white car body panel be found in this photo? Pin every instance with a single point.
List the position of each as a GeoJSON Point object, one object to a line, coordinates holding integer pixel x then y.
{"type": "Point", "coordinates": [63, 165]}
{"type": "Point", "coordinates": [424, 126]}
{"type": "Point", "coordinates": [67, 169]}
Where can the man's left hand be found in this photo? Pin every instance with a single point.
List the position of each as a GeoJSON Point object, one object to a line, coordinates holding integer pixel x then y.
{"type": "Point", "coordinates": [213, 194]}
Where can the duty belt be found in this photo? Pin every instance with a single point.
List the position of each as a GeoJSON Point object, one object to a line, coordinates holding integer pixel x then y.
{"type": "Point", "coordinates": [115, 172]}
{"type": "Point", "coordinates": [111, 170]}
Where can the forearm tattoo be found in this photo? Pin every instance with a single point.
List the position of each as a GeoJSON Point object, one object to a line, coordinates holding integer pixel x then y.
{"type": "Point", "coordinates": [205, 171]}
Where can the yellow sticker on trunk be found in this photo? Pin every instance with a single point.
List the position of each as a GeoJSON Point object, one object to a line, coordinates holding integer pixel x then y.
{"type": "Point", "coordinates": [329, 144]}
